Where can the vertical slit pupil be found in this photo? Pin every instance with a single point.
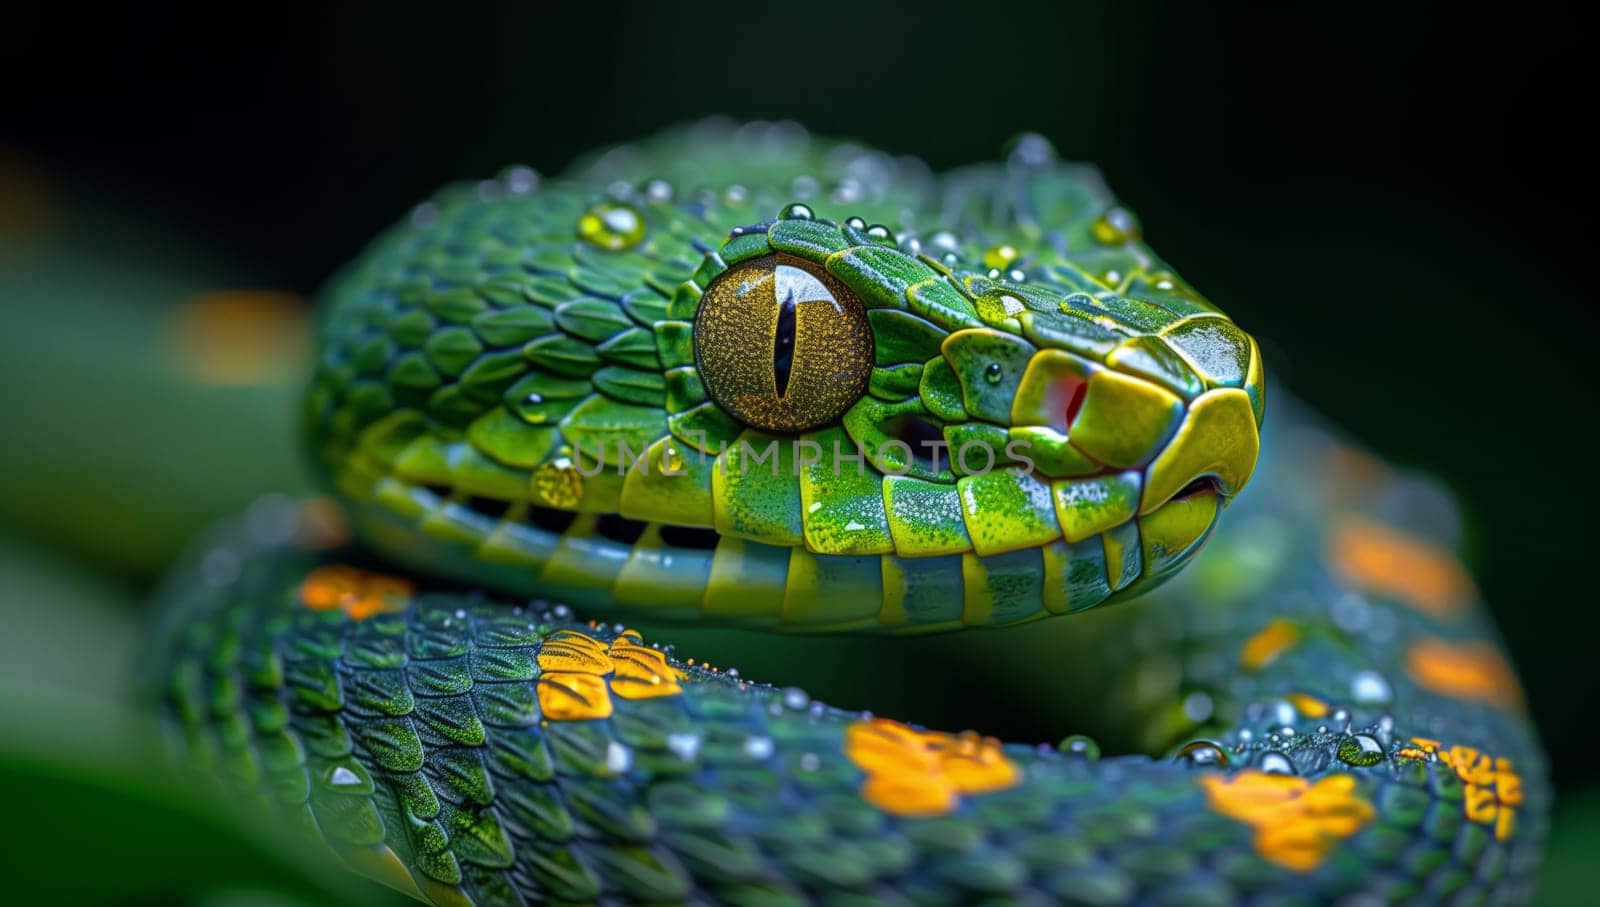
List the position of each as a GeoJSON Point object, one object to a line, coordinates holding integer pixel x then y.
{"type": "Point", "coordinates": [783, 343]}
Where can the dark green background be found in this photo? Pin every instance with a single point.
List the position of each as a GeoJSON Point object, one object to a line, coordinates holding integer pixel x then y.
{"type": "Point", "coordinates": [1392, 198]}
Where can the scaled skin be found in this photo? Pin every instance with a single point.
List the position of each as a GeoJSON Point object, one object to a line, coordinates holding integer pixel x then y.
{"type": "Point", "coordinates": [1327, 708]}
{"type": "Point", "coordinates": [488, 367]}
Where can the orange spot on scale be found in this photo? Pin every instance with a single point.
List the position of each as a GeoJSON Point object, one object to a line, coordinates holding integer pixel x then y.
{"type": "Point", "coordinates": [320, 524]}
{"type": "Point", "coordinates": [571, 697]}
{"type": "Point", "coordinates": [1308, 705]}
{"type": "Point", "coordinates": [1262, 649]}
{"type": "Point", "coordinates": [1469, 670]}
{"type": "Point", "coordinates": [241, 337]}
{"type": "Point", "coordinates": [642, 672]}
{"type": "Point", "coordinates": [1492, 788]}
{"type": "Point", "coordinates": [579, 674]}
{"type": "Point", "coordinates": [1297, 821]}
{"type": "Point", "coordinates": [1351, 470]}
{"type": "Point", "coordinates": [360, 594]}
{"type": "Point", "coordinates": [1385, 561]}
{"type": "Point", "coordinates": [925, 773]}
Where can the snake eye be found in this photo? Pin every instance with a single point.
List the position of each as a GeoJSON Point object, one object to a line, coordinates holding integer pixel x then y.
{"type": "Point", "coordinates": [782, 345]}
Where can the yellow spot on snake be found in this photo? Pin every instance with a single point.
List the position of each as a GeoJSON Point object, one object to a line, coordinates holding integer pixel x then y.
{"type": "Point", "coordinates": [925, 773]}
{"type": "Point", "coordinates": [1273, 640]}
{"type": "Point", "coordinates": [1308, 705]}
{"type": "Point", "coordinates": [1384, 561]}
{"type": "Point", "coordinates": [1493, 787]}
{"type": "Point", "coordinates": [642, 672]}
{"type": "Point", "coordinates": [359, 593]}
{"type": "Point", "coordinates": [1297, 821]}
{"type": "Point", "coordinates": [1467, 670]}
{"type": "Point", "coordinates": [578, 673]}
{"type": "Point", "coordinates": [571, 697]}
{"type": "Point", "coordinates": [241, 337]}
{"type": "Point", "coordinates": [1001, 256]}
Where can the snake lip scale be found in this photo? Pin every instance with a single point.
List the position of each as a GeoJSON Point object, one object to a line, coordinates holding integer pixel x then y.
{"type": "Point", "coordinates": [740, 376]}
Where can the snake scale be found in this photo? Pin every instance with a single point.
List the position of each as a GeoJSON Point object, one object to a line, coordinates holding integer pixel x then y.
{"type": "Point", "coordinates": [743, 376]}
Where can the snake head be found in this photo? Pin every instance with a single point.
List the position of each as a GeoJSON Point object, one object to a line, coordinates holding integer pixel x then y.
{"type": "Point", "coordinates": [798, 422]}
{"type": "Point", "coordinates": [1037, 437]}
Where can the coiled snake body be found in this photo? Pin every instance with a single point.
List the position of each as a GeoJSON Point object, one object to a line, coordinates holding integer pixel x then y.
{"type": "Point", "coordinates": [698, 379]}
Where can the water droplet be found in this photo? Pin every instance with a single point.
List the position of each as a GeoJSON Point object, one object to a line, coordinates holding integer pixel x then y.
{"type": "Point", "coordinates": [561, 612]}
{"type": "Point", "coordinates": [1282, 714]}
{"type": "Point", "coordinates": [758, 747]}
{"type": "Point", "coordinates": [618, 757]}
{"type": "Point", "coordinates": [880, 233]}
{"type": "Point", "coordinates": [1360, 750]}
{"type": "Point", "coordinates": [1000, 257]}
{"type": "Point", "coordinates": [1080, 746]}
{"type": "Point", "coordinates": [944, 241]}
{"type": "Point", "coordinates": [612, 226]}
{"type": "Point", "coordinates": [1032, 151]}
{"type": "Point", "coordinates": [558, 484]}
{"type": "Point", "coordinates": [848, 192]}
{"type": "Point", "coordinates": [684, 746]}
{"type": "Point", "coordinates": [1369, 688]}
{"type": "Point", "coordinates": [521, 180]}
{"type": "Point", "coordinates": [993, 373]}
{"type": "Point", "coordinates": [1115, 227]}
{"type": "Point", "coordinates": [795, 698]}
{"type": "Point", "coordinates": [995, 306]}
{"type": "Point", "coordinates": [1384, 729]}
{"type": "Point", "coordinates": [797, 211]}
{"type": "Point", "coordinates": [1197, 707]}
{"type": "Point", "coordinates": [736, 195]}
{"type": "Point", "coordinates": [1202, 754]}
{"type": "Point", "coordinates": [220, 567]}
{"type": "Point", "coordinates": [804, 186]}
{"type": "Point", "coordinates": [855, 223]}
{"type": "Point", "coordinates": [344, 777]}
{"type": "Point", "coordinates": [1275, 763]}
{"type": "Point", "coordinates": [671, 460]}
{"type": "Point", "coordinates": [533, 399]}
{"type": "Point", "coordinates": [658, 191]}
{"type": "Point", "coordinates": [810, 763]}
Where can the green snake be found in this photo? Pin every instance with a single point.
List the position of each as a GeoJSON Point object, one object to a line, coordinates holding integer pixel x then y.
{"type": "Point", "coordinates": [744, 377]}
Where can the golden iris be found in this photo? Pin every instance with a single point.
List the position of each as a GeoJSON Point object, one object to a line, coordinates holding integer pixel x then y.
{"type": "Point", "coordinates": [782, 345]}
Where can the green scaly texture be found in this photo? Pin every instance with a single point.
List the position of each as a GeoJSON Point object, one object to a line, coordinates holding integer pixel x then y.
{"type": "Point", "coordinates": [481, 358]}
